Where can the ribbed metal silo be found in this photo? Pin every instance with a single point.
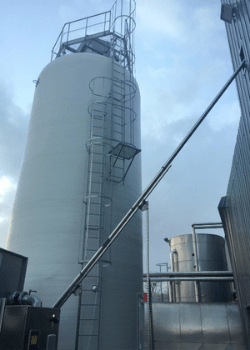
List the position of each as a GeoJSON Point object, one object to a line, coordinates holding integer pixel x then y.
{"type": "Point", "coordinates": [80, 175]}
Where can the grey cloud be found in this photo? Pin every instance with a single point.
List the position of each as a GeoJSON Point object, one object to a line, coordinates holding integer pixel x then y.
{"type": "Point", "coordinates": [13, 131]}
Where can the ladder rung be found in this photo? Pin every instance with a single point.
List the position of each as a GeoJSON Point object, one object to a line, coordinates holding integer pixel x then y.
{"type": "Point", "coordinates": [89, 319]}
{"type": "Point", "coordinates": [100, 154]}
{"type": "Point", "coordinates": [97, 172]}
{"type": "Point", "coordinates": [94, 228]}
{"type": "Point", "coordinates": [96, 238]}
{"type": "Point", "coordinates": [88, 335]}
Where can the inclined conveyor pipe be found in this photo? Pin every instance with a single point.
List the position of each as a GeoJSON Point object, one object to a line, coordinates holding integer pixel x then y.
{"type": "Point", "coordinates": [140, 201]}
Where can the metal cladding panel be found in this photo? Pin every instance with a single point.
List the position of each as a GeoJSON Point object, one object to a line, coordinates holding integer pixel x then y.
{"type": "Point", "coordinates": [235, 208]}
{"type": "Point", "coordinates": [48, 213]}
{"type": "Point", "coordinates": [166, 328]}
{"type": "Point", "coordinates": [12, 272]}
{"type": "Point", "coordinates": [216, 326]}
{"type": "Point", "coordinates": [211, 257]}
{"type": "Point", "coordinates": [190, 330]}
{"type": "Point", "coordinates": [197, 326]}
{"type": "Point", "coordinates": [22, 323]}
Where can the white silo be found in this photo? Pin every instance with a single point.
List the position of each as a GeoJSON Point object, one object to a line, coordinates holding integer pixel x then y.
{"type": "Point", "coordinates": [80, 175]}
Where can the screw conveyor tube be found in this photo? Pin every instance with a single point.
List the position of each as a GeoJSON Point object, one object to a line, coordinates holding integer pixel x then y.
{"type": "Point", "coordinates": [140, 201]}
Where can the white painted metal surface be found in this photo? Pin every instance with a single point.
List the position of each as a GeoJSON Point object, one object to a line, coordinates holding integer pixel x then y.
{"type": "Point", "coordinates": [48, 214]}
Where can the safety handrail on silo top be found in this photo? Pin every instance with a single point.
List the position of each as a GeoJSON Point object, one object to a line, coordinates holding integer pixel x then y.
{"type": "Point", "coordinates": [140, 201]}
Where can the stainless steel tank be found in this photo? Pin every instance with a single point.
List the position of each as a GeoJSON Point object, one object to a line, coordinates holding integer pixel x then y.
{"type": "Point", "coordinates": [48, 218]}
{"type": "Point", "coordinates": [211, 257]}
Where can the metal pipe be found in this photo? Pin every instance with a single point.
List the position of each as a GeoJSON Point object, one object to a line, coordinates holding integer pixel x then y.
{"type": "Point", "coordinates": [32, 300]}
{"type": "Point", "coordinates": [196, 253]}
{"type": "Point", "coordinates": [24, 298]}
{"type": "Point", "coordinates": [172, 285]}
{"type": "Point", "coordinates": [191, 274]}
{"type": "Point", "coordinates": [196, 266]}
{"type": "Point", "coordinates": [208, 225]}
{"type": "Point", "coordinates": [172, 258]}
{"type": "Point", "coordinates": [149, 299]}
{"type": "Point", "coordinates": [201, 226]}
{"type": "Point", "coordinates": [167, 268]}
{"type": "Point", "coordinates": [161, 283]}
{"type": "Point", "coordinates": [176, 285]}
{"type": "Point", "coordinates": [194, 278]}
{"type": "Point", "coordinates": [170, 292]}
{"type": "Point", "coordinates": [195, 249]}
{"type": "Point", "coordinates": [197, 291]}
{"type": "Point", "coordinates": [88, 267]}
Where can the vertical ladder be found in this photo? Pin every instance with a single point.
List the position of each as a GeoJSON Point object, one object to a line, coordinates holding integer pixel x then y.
{"type": "Point", "coordinates": [111, 103]}
{"type": "Point", "coordinates": [121, 99]}
{"type": "Point", "coordinates": [117, 118]}
{"type": "Point", "coordinates": [90, 299]}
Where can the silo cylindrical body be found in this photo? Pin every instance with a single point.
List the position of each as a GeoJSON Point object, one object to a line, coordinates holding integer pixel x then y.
{"type": "Point", "coordinates": [211, 257]}
{"type": "Point", "coordinates": [49, 214]}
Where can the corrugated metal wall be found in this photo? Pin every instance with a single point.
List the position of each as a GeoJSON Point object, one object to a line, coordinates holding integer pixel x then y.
{"type": "Point", "coordinates": [235, 207]}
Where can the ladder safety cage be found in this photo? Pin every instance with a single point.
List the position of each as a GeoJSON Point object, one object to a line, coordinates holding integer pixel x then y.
{"type": "Point", "coordinates": [110, 147]}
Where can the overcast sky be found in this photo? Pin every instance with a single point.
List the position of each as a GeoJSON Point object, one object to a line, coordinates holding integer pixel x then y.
{"type": "Point", "coordinates": [182, 61]}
